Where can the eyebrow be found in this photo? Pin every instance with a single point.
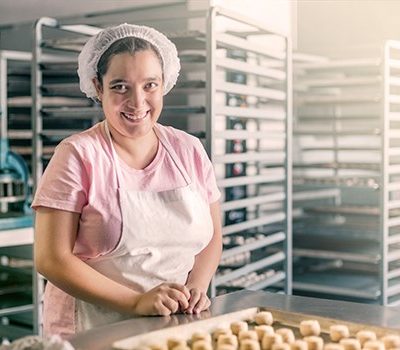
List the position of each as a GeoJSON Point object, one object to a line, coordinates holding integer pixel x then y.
{"type": "Point", "coordinates": [152, 78]}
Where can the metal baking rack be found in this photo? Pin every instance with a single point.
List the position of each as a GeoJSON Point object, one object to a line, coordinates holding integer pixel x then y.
{"type": "Point", "coordinates": [59, 109]}
{"type": "Point", "coordinates": [347, 119]}
{"type": "Point", "coordinates": [242, 99]}
{"type": "Point", "coordinates": [16, 232]}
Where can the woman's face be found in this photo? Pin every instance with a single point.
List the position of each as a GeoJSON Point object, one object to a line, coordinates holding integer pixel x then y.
{"type": "Point", "coordinates": [132, 93]}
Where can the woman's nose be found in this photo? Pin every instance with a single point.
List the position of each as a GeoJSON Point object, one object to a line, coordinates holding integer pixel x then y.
{"type": "Point", "coordinates": [136, 98]}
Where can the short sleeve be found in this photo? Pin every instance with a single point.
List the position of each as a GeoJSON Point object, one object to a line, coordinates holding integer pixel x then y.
{"type": "Point", "coordinates": [65, 183]}
{"type": "Point", "coordinates": [208, 174]}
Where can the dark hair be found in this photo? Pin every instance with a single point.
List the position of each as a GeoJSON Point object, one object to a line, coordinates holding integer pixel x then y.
{"type": "Point", "coordinates": [128, 44]}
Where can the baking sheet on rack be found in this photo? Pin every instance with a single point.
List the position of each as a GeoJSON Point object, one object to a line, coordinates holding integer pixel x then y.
{"type": "Point", "coordinates": [281, 319]}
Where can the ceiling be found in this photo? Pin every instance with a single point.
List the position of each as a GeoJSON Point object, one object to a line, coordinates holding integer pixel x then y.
{"type": "Point", "coordinates": [13, 12]}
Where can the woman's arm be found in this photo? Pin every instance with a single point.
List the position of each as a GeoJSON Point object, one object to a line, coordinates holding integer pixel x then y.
{"type": "Point", "coordinates": [205, 265]}
{"type": "Point", "coordinates": [55, 235]}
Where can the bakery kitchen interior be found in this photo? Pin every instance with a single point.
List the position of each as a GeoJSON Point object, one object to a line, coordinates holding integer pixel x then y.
{"type": "Point", "coordinates": [200, 174]}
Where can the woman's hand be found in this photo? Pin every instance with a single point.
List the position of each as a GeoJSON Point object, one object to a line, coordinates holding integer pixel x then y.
{"type": "Point", "coordinates": [198, 301]}
{"type": "Point", "coordinates": [164, 300]}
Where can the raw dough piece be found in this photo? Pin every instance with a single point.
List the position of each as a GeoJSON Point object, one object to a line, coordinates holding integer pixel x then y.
{"type": "Point", "coordinates": [338, 332]}
{"type": "Point", "coordinates": [309, 327]}
{"type": "Point", "coordinates": [314, 342]}
{"type": "Point", "coordinates": [264, 317]}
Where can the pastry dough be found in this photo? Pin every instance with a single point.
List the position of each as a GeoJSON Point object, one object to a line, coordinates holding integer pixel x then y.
{"type": "Point", "coordinates": [364, 336]}
{"type": "Point", "coordinates": [281, 346]}
{"type": "Point", "coordinates": [249, 344]}
{"type": "Point", "coordinates": [227, 339]}
{"type": "Point", "coordinates": [309, 327]}
{"type": "Point", "coordinates": [333, 346]}
{"type": "Point", "coordinates": [202, 345]}
{"type": "Point", "coordinates": [185, 347]}
{"type": "Point", "coordinates": [299, 345]}
{"type": "Point", "coordinates": [221, 331]}
{"type": "Point", "coordinates": [173, 342]}
{"type": "Point", "coordinates": [226, 347]}
{"type": "Point", "coordinates": [314, 342]}
{"type": "Point", "coordinates": [339, 331]}
{"type": "Point", "coordinates": [262, 330]}
{"type": "Point", "coordinates": [201, 336]}
{"type": "Point", "coordinates": [350, 344]}
{"type": "Point", "coordinates": [287, 335]}
{"type": "Point", "coordinates": [239, 326]}
{"type": "Point", "coordinates": [374, 345]}
{"type": "Point", "coordinates": [270, 339]}
{"type": "Point", "coordinates": [161, 346]}
{"type": "Point", "coordinates": [247, 335]}
{"type": "Point", "coordinates": [391, 341]}
{"type": "Point", "coordinates": [264, 317]}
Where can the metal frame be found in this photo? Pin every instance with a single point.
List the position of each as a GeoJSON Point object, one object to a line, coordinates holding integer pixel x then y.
{"type": "Point", "coordinates": [378, 189]}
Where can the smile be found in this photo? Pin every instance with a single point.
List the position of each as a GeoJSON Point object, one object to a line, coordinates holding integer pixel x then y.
{"type": "Point", "coordinates": [135, 117]}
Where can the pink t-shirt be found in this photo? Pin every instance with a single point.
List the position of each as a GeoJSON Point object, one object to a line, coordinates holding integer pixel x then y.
{"type": "Point", "coordinates": [81, 178]}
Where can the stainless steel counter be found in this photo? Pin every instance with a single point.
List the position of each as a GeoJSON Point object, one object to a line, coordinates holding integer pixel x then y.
{"type": "Point", "coordinates": [102, 338]}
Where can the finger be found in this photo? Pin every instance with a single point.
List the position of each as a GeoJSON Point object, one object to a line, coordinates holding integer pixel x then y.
{"type": "Point", "coordinates": [181, 288]}
{"type": "Point", "coordinates": [194, 299]}
{"type": "Point", "coordinates": [179, 297]}
{"type": "Point", "coordinates": [201, 304]}
{"type": "Point", "coordinates": [161, 309]}
{"type": "Point", "coordinates": [171, 304]}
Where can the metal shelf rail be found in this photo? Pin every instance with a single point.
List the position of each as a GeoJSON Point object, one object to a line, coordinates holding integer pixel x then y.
{"type": "Point", "coordinates": [347, 120]}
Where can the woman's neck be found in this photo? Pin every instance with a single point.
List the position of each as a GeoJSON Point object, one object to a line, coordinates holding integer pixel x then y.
{"type": "Point", "coordinates": [138, 153]}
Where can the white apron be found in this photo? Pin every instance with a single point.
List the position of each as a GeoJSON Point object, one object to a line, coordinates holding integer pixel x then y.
{"type": "Point", "coordinates": [161, 234]}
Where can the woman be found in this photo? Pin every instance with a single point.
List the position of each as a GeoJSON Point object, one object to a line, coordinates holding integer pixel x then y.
{"type": "Point", "coordinates": [127, 213]}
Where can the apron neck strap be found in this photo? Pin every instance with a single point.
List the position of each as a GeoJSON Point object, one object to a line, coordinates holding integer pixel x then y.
{"type": "Point", "coordinates": [164, 140]}
{"type": "Point", "coordinates": [165, 143]}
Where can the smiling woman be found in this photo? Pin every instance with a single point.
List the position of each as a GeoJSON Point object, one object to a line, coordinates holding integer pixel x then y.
{"type": "Point", "coordinates": [140, 230]}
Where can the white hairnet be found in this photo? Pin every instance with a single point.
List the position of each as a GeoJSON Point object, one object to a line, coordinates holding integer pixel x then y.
{"type": "Point", "coordinates": [98, 44]}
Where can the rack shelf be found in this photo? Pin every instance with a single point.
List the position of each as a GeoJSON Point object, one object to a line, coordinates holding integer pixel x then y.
{"type": "Point", "coordinates": [347, 114]}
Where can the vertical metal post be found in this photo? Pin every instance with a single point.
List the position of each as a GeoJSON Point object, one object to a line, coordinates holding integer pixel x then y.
{"type": "Point", "coordinates": [288, 169]}
{"type": "Point", "coordinates": [3, 120]}
{"type": "Point", "coordinates": [211, 46]}
{"type": "Point", "coordinates": [384, 195]}
{"type": "Point", "coordinates": [37, 146]}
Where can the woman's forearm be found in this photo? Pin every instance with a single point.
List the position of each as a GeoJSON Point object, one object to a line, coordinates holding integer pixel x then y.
{"type": "Point", "coordinates": [55, 233]}
{"type": "Point", "coordinates": [206, 262]}
{"type": "Point", "coordinates": [81, 281]}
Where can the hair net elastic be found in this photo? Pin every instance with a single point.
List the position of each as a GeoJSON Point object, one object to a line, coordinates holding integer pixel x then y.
{"type": "Point", "coordinates": [98, 44]}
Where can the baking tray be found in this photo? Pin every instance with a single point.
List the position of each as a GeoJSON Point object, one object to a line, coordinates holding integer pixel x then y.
{"type": "Point", "coordinates": [281, 319]}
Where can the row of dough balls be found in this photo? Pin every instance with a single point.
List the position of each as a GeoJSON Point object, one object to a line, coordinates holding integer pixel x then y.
{"type": "Point", "coordinates": [264, 337]}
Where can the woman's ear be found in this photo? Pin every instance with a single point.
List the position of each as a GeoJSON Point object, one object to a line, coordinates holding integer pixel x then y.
{"type": "Point", "coordinates": [99, 88]}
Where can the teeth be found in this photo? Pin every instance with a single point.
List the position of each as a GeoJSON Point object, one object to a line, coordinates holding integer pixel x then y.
{"type": "Point", "coordinates": [134, 117]}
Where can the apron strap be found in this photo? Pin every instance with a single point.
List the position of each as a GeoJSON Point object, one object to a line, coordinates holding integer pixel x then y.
{"type": "Point", "coordinates": [164, 140]}
{"type": "Point", "coordinates": [165, 143]}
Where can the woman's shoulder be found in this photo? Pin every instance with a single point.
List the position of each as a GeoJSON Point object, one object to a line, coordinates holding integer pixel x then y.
{"type": "Point", "coordinates": [181, 140]}
{"type": "Point", "coordinates": [88, 140]}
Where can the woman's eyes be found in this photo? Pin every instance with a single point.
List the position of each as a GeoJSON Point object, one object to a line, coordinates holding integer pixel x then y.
{"type": "Point", "coordinates": [151, 85]}
{"type": "Point", "coordinates": [124, 88]}
{"type": "Point", "coordinates": [120, 88]}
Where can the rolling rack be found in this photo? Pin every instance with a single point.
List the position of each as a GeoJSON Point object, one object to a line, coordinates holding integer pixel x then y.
{"type": "Point", "coordinates": [235, 96]}
{"type": "Point", "coordinates": [16, 232]}
{"type": "Point", "coordinates": [59, 109]}
{"type": "Point", "coordinates": [347, 137]}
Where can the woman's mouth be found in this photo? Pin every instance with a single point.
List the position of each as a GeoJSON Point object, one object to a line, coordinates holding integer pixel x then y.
{"type": "Point", "coordinates": [135, 117]}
